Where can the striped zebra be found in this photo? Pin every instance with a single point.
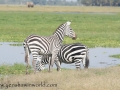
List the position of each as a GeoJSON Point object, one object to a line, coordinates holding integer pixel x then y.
{"type": "Point", "coordinates": [46, 45]}
{"type": "Point", "coordinates": [68, 54]}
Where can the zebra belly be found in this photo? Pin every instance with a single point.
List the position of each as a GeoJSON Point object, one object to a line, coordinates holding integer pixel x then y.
{"type": "Point", "coordinates": [66, 60]}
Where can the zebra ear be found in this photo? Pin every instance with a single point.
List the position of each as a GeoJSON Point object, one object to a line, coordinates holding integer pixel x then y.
{"type": "Point", "coordinates": [68, 23]}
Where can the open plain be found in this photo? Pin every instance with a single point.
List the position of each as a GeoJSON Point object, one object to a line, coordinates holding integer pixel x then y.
{"type": "Point", "coordinates": [95, 27]}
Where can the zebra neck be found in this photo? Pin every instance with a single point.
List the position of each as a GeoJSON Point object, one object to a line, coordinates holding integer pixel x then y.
{"type": "Point", "coordinates": [59, 35]}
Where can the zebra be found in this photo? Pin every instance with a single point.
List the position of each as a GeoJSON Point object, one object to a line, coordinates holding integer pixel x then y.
{"type": "Point", "coordinates": [42, 45]}
{"type": "Point", "coordinates": [68, 54]}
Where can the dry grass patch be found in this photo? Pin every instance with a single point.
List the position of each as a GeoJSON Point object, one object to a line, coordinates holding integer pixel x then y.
{"type": "Point", "coordinates": [59, 8]}
{"type": "Point", "coordinates": [91, 79]}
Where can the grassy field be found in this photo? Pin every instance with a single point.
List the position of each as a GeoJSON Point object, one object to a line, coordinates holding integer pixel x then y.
{"type": "Point", "coordinates": [93, 29]}
{"type": "Point", "coordinates": [95, 26]}
{"type": "Point", "coordinates": [14, 69]}
{"type": "Point", "coordinates": [59, 8]}
{"type": "Point", "coordinates": [91, 79]}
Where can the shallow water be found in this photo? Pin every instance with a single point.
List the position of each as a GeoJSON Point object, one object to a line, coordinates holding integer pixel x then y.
{"type": "Point", "coordinates": [10, 53]}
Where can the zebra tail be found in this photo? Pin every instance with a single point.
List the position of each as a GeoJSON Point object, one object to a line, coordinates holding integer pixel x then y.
{"type": "Point", "coordinates": [27, 52]}
{"type": "Point", "coordinates": [87, 60]}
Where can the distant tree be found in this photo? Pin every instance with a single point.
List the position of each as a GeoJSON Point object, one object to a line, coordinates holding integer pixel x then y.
{"type": "Point", "coordinates": [50, 2]}
{"type": "Point", "coordinates": [116, 3]}
{"type": "Point", "coordinates": [100, 2]}
{"type": "Point", "coordinates": [65, 2]}
{"type": "Point", "coordinates": [87, 2]}
{"type": "Point", "coordinates": [36, 1]}
{"type": "Point", "coordinates": [79, 2]}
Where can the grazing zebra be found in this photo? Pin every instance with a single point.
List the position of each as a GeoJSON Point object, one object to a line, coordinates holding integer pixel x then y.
{"type": "Point", "coordinates": [69, 53]}
{"type": "Point", "coordinates": [42, 45]}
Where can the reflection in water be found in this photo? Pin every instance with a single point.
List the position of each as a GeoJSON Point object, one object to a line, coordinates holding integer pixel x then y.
{"type": "Point", "coordinates": [99, 57]}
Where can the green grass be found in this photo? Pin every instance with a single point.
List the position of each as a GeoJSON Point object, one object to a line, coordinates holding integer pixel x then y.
{"type": "Point", "coordinates": [116, 56]}
{"type": "Point", "coordinates": [12, 69]}
{"type": "Point", "coordinates": [101, 30]}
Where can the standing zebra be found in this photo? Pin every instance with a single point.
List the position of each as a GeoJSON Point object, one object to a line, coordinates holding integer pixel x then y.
{"type": "Point", "coordinates": [42, 45]}
{"type": "Point", "coordinates": [69, 53]}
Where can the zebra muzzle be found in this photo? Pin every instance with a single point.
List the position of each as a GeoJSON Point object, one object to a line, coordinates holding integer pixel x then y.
{"type": "Point", "coordinates": [74, 38]}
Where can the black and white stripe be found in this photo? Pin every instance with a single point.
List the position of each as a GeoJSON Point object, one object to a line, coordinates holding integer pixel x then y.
{"type": "Point", "coordinates": [42, 45]}
{"type": "Point", "coordinates": [68, 54]}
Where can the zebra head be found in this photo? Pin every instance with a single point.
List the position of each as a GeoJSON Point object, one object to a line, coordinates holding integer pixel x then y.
{"type": "Point", "coordinates": [65, 30]}
{"type": "Point", "coordinates": [39, 65]}
{"type": "Point", "coordinates": [69, 31]}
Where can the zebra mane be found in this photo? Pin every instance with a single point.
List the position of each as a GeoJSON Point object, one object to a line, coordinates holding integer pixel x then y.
{"type": "Point", "coordinates": [68, 23]}
{"type": "Point", "coordinates": [57, 28]}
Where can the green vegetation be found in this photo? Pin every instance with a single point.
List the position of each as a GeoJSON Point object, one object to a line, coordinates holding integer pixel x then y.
{"type": "Point", "coordinates": [95, 29]}
{"type": "Point", "coordinates": [115, 56]}
{"type": "Point", "coordinates": [12, 69]}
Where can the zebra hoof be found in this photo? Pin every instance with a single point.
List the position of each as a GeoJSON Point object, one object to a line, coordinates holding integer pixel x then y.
{"type": "Point", "coordinates": [27, 73]}
{"type": "Point", "coordinates": [58, 69]}
{"type": "Point", "coordinates": [34, 72]}
{"type": "Point", "coordinates": [78, 69]}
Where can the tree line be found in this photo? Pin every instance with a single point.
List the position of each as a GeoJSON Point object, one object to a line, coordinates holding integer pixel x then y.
{"type": "Point", "coordinates": [100, 2]}
{"type": "Point", "coordinates": [40, 2]}
{"type": "Point", "coordinates": [54, 2]}
{"type": "Point", "coordinates": [65, 2]}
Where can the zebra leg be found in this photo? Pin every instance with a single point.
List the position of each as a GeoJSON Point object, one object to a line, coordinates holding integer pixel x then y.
{"type": "Point", "coordinates": [50, 65]}
{"type": "Point", "coordinates": [77, 64]}
{"type": "Point", "coordinates": [27, 67]}
{"type": "Point", "coordinates": [35, 58]}
{"type": "Point", "coordinates": [51, 62]}
{"type": "Point", "coordinates": [58, 63]}
{"type": "Point", "coordinates": [85, 60]}
{"type": "Point", "coordinates": [27, 63]}
{"type": "Point", "coordinates": [34, 65]}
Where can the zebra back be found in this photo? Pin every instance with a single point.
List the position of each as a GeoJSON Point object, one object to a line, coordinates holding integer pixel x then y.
{"type": "Point", "coordinates": [71, 51]}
